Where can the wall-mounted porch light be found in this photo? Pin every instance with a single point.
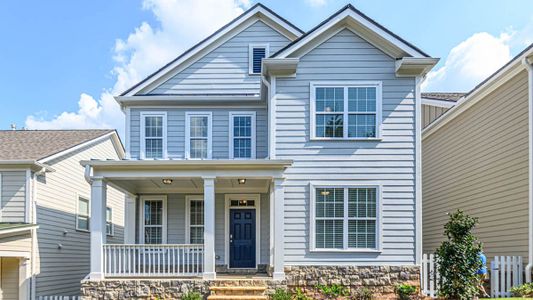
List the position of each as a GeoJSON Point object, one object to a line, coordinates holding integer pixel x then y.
{"type": "Point", "coordinates": [167, 180]}
{"type": "Point", "coordinates": [241, 180]}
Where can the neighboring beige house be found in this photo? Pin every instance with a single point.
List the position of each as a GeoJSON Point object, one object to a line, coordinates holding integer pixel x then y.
{"type": "Point", "coordinates": [435, 105]}
{"type": "Point", "coordinates": [44, 212]}
{"type": "Point", "coordinates": [477, 157]}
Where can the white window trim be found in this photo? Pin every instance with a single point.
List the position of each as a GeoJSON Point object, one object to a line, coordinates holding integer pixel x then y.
{"type": "Point", "coordinates": [85, 197]}
{"type": "Point", "coordinates": [112, 233]}
{"type": "Point", "coordinates": [141, 217]}
{"type": "Point", "coordinates": [345, 85]}
{"type": "Point", "coordinates": [232, 115]}
{"type": "Point", "coordinates": [251, 55]}
{"type": "Point", "coordinates": [257, 207]}
{"type": "Point", "coordinates": [345, 185]}
{"type": "Point", "coordinates": [188, 116]}
{"type": "Point", "coordinates": [145, 114]}
{"type": "Point", "coordinates": [188, 200]}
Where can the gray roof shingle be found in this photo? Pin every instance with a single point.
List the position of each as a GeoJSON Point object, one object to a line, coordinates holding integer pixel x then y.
{"type": "Point", "coordinates": [443, 96]}
{"type": "Point", "coordinates": [38, 144]}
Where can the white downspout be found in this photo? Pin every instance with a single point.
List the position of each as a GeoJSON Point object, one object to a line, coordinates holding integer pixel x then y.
{"type": "Point", "coordinates": [267, 84]}
{"type": "Point", "coordinates": [529, 266]}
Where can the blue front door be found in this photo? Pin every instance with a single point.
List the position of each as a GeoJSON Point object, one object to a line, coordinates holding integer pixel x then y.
{"type": "Point", "coordinates": [242, 238]}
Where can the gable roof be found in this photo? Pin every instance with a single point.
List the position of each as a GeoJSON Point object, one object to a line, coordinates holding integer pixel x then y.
{"type": "Point", "coordinates": [39, 145]}
{"type": "Point", "coordinates": [258, 9]}
{"type": "Point", "coordinates": [349, 11]}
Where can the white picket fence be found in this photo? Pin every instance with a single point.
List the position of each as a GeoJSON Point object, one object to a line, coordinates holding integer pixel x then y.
{"type": "Point", "coordinates": [505, 272]}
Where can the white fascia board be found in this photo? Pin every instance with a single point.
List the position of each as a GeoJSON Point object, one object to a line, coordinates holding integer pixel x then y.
{"type": "Point", "coordinates": [414, 66]}
{"type": "Point", "coordinates": [362, 21]}
{"type": "Point", "coordinates": [114, 138]}
{"type": "Point", "coordinates": [24, 164]}
{"type": "Point", "coordinates": [438, 103]}
{"type": "Point", "coordinates": [205, 44]}
{"type": "Point", "coordinates": [495, 81]}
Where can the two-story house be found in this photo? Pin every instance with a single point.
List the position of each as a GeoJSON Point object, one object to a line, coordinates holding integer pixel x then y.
{"type": "Point", "coordinates": [292, 156]}
{"type": "Point", "coordinates": [44, 212]}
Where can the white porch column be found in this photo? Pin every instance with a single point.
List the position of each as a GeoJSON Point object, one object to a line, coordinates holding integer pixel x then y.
{"type": "Point", "coordinates": [209, 228]}
{"type": "Point", "coordinates": [24, 278]}
{"type": "Point", "coordinates": [97, 227]}
{"type": "Point", "coordinates": [279, 228]}
{"type": "Point", "coordinates": [129, 220]}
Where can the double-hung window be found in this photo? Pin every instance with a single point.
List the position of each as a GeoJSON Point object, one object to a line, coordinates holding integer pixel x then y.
{"type": "Point", "coordinates": [195, 219]}
{"type": "Point", "coordinates": [198, 135]}
{"type": "Point", "coordinates": [350, 110]}
{"type": "Point", "coordinates": [82, 215]}
{"type": "Point", "coordinates": [242, 135]}
{"type": "Point", "coordinates": [153, 135]}
{"type": "Point", "coordinates": [154, 221]}
{"type": "Point", "coordinates": [109, 228]}
{"type": "Point", "coordinates": [345, 218]}
{"type": "Point", "coordinates": [256, 53]}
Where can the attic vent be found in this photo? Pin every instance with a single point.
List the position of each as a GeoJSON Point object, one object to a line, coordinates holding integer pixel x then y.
{"type": "Point", "coordinates": [257, 53]}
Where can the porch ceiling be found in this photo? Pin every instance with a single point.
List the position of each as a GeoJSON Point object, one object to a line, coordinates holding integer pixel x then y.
{"type": "Point", "coordinates": [190, 185]}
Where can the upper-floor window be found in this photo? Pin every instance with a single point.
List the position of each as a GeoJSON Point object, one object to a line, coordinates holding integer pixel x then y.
{"type": "Point", "coordinates": [242, 135]}
{"type": "Point", "coordinates": [198, 142]}
{"type": "Point", "coordinates": [256, 53]}
{"type": "Point", "coordinates": [153, 135]}
{"type": "Point", "coordinates": [345, 218]}
{"type": "Point", "coordinates": [349, 110]}
{"type": "Point", "coordinates": [82, 214]}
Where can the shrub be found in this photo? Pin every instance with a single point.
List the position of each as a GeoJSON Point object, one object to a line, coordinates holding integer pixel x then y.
{"type": "Point", "coordinates": [192, 296]}
{"type": "Point", "coordinates": [300, 295]}
{"type": "Point", "coordinates": [363, 294]}
{"type": "Point", "coordinates": [281, 294]}
{"type": "Point", "coordinates": [405, 291]}
{"type": "Point", "coordinates": [458, 258]}
{"type": "Point", "coordinates": [524, 290]}
{"type": "Point", "coordinates": [333, 291]}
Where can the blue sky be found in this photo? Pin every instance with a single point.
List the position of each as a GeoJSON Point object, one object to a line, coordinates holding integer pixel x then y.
{"type": "Point", "coordinates": [62, 60]}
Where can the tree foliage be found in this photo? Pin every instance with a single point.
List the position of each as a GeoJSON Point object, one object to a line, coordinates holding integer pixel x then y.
{"type": "Point", "coordinates": [458, 258]}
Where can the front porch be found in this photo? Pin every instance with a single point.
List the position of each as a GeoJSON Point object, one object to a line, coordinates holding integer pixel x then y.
{"type": "Point", "coordinates": [189, 219]}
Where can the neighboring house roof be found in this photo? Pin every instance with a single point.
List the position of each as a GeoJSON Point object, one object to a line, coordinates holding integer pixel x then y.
{"type": "Point", "coordinates": [444, 96]}
{"type": "Point", "coordinates": [7, 228]}
{"type": "Point", "coordinates": [40, 145]}
{"type": "Point", "coordinates": [258, 8]}
{"type": "Point", "coordinates": [502, 75]}
{"type": "Point", "coordinates": [383, 35]}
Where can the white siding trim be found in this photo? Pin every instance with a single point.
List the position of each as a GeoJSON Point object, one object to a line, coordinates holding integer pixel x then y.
{"type": "Point", "coordinates": [188, 116]}
{"type": "Point", "coordinates": [418, 170]}
{"type": "Point", "coordinates": [251, 55]}
{"type": "Point", "coordinates": [345, 84]}
{"type": "Point", "coordinates": [272, 121]}
{"type": "Point", "coordinates": [145, 198]}
{"type": "Point", "coordinates": [188, 199]}
{"type": "Point", "coordinates": [143, 115]}
{"type": "Point", "coordinates": [233, 114]}
{"type": "Point", "coordinates": [27, 192]}
{"type": "Point", "coordinates": [127, 133]}
{"type": "Point", "coordinates": [257, 206]}
{"type": "Point", "coordinates": [313, 185]}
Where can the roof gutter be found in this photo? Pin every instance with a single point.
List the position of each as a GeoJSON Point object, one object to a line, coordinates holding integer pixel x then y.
{"type": "Point", "coordinates": [32, 164]}
{"type": "Point", "coordinates": [528, 63]}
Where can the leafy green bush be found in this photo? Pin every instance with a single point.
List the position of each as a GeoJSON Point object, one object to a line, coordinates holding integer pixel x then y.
{"type": "Point", "coordinates": [363, 294]}
{"type": "Point", "coordinates": [458, 258]}
{"type": "Point", "coordinates": [405, 291]}
{"type": "Point", "coordinates": [300, 295]}
{"type": "Point", "coordinates": [333, 291]}
{"type": "Point", "coordinates": [524, 290]}
{"type": "Point", "coordinates": [192, 296]}
{"type": "Point", "coordinates": [281, 294]}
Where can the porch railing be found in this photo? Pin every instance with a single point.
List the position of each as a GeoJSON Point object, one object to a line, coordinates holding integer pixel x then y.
{"type": "Point", "coordinates": [153, 260]}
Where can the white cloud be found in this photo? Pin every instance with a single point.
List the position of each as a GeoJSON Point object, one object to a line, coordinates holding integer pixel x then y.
{"type": "Point", "coordinates": [317, 3]}
{"type": "Point", "coordinates": [470, 62]}
{"type": "Point", "coordinates": [181, 23]}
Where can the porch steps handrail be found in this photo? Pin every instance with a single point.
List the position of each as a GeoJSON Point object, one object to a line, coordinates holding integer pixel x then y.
{"type": "Point", "coordinates": [150, 260]}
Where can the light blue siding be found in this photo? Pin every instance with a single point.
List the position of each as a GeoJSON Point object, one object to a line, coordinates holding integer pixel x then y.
{"type": "Point", "coordinates": [390, 161]}
{"type": "Point", "coordinates": [13, 196]}
{"type": "Point", "coordinates": [176, 131]}
{"type": "Point", "coordinates": [225, 69]}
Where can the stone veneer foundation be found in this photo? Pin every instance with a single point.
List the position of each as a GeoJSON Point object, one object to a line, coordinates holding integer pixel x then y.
{"type": "Point", "coordinates": [381, 280]}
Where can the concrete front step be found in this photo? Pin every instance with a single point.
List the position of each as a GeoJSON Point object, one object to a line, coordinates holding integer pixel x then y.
{"type": "Point", "coordinates": [237, 297]}
{"type": "Point", "coordinates": [238, 288]}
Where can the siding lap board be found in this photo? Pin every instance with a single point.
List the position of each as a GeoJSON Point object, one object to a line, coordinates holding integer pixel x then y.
{"type": "Point", "coordinates": [346, 56]}
{"type": "Point", "coordinates": [13, 197]}
{"type": "Point", "coordinates": [483, 171]}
